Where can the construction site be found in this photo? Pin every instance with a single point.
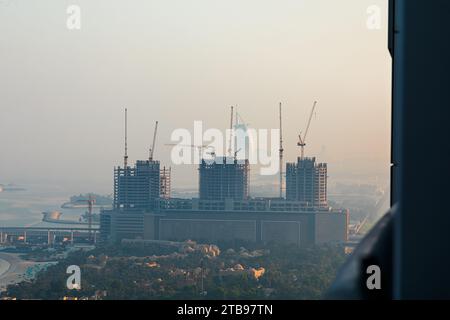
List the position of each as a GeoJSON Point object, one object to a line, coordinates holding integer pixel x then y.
{"type": "Point", "coordinates": [144, 209]}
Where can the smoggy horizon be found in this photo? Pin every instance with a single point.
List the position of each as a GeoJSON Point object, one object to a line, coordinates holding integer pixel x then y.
{"type": "Point", "coordinates": [64, 91]}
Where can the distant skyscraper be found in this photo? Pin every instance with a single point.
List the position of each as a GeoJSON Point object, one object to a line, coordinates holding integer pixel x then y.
{"type": "Point", "coordinates": [224, 178]}
{"type": "Point", "coordinates": [306, 181]}
{"type": "Point", "coordinates": [137, 187]}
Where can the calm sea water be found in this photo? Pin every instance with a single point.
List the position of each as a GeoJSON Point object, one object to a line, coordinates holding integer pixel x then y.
{"type": "Point", "coordinates": [24, 208]}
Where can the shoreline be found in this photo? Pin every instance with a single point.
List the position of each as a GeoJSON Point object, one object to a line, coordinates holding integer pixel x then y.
{"type": "Point", "coordinates": [5, 266]}
{"type": "Point", "coordinates": [19, 270]}
{"type": "Point", "coordinates": [9, 275]}
{"type": "Point", "coordinates": [16, 271]}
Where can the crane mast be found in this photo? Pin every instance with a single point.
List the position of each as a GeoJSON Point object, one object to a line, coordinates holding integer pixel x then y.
{"type": "Point", "coordinates": [302, 140]}
{"type": "Point", "coordinates": [91, 202]}
{"type": "Point", "coordinates": [125, 157]}
{"type": "Point", "coordinates": [281, 154]}
{"type": "Point", "coordinates": [152, 149]}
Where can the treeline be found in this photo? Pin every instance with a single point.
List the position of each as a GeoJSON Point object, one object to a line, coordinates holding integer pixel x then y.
{"type": "Point", "coordinates": [290, 273]}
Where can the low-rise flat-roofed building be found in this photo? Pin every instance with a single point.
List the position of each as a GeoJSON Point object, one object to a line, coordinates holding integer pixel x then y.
{"type": "Point", "coordinates": [254, 220]}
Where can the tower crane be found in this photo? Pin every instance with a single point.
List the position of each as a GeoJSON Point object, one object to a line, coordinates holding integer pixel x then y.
{"type": "Point", "coordinates": [152, 149]}
{"type": "Point", "coordinates": [302, 140]}
{"type": "Point", "coordinates": [125, 157]}
{"type": "Point", "coordinates": [199, 147]}
{"type": "Point", "coordinates": [90, 203]}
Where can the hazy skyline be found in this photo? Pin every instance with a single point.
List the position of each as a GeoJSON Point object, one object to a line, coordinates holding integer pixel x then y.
{"type": "Point", "coordinates": [63, 91]}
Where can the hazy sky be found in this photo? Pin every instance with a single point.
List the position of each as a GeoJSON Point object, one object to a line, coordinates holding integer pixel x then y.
{"type": "Point", "coordinates": [62, 92]}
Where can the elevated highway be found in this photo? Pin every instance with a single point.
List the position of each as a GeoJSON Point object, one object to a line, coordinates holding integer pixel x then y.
{"type": "Point", "coordinates": [50, 233]}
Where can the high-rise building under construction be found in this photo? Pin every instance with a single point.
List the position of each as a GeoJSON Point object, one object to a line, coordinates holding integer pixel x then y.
{"type": "Point", "coordinates": [145, 211]}
{"type": "Point", "coordinates": [165, 183]}
{"type": "Point", "coordinates": [306, 181]}
{"type": "Point", "coordinates": [224, 178]}
{"type": "Point", "coordinates": [137, 187]}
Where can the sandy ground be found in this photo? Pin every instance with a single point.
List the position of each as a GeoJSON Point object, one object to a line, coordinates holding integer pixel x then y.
{"type": "Point", "coordinates": [4, 266]}
{"type": "Point", "coordinates": [15, 269]}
